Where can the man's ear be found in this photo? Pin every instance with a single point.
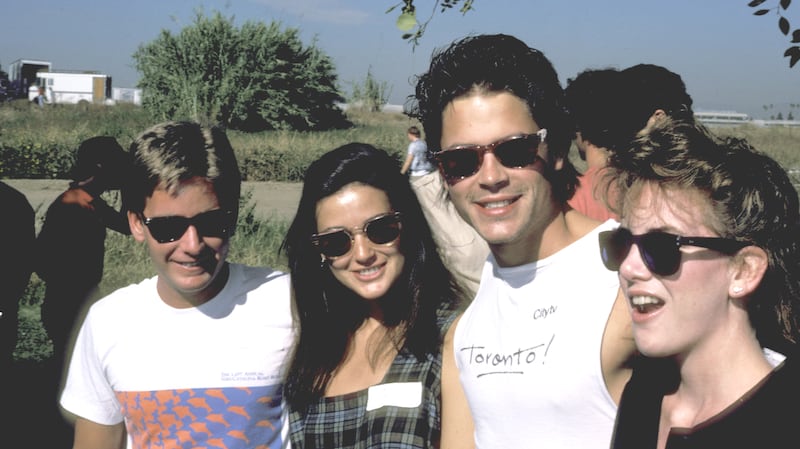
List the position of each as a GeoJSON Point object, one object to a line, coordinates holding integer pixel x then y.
{"type": "Point", "coordinates": [136, 225]}
{"type": "Point", "coordinates": [749, 266]}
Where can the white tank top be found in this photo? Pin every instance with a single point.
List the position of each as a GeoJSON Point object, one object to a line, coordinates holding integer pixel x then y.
{"type": "Point", "coordinates": [528, 351]}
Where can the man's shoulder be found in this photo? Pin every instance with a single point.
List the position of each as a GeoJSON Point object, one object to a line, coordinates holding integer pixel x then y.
{"type": "Point", "coordinates": [134, 294]}
{"type": "Point", "coordinates": [261, 283]}
{"type": "Point", "coordinates": [257, 276]}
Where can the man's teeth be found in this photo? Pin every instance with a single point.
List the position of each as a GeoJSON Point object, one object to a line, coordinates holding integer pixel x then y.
{"type": "Point", "coordinates": [495, 204]}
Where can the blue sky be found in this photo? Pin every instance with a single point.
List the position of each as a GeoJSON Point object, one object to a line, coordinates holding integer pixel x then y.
{"type": "Point", "coordinates": [728, 58]}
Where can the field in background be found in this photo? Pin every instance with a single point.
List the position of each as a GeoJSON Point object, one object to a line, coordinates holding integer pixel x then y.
{"type": "Point", "coordinates": [272, 155]}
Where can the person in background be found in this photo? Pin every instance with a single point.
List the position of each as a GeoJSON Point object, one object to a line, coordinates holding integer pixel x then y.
{"type": "Point", "coordinates": [460, 247]}
{"type": "Point", "coordinates": [651, 93]}
{"type": "Point", "coordinates": [69, 257]}
{"type": "Point", "coordinates": [417, 160]}
{"type": "Point", "coordinates": [70, 247]}
{"type": "Point", "coordinates": [19, 229]}
{"type": "Point", "coordinates": [374, 302]}
{"type": "Point", "coordinates": [592, 98]}
{"type": "Point", "coordinates": [547, 339]}
{"type": "Point", "coordinates": [707, 257]}
{"type": "Point", "coordinates": [194, 356]}
{"type": "Point", "coordinates": [41, 98]}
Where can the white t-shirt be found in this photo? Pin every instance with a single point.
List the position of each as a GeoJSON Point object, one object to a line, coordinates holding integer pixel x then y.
{"type": "Point", "coordinates": [207, 375]}
{"type": "Point", "coordinates": [528, 351]}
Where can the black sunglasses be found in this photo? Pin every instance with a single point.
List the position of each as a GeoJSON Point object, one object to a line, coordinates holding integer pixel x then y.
{"type": "Point", "coordinates": [380, 230]}
{"type": "Point", "coordinates": [464, 161]}
{"type": "Point", "coordinates": [660, 251]}
{"type": "Point", "coordinates": [214, 223]}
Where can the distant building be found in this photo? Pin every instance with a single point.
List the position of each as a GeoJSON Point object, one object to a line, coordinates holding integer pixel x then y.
{"type": "Point", "coordinates": [732, 118]}
{"type": "Point", "coordinates": [722, 118]}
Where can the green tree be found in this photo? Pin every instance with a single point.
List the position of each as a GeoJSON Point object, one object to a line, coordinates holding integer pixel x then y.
{"type": "Point", "coordinates": [370, 94]}
{"type": "Point", "coordinates": [252, 78]}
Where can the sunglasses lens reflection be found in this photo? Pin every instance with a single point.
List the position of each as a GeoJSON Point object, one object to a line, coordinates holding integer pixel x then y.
{"type": "Point", "coordinates": [658, 250]}
{"type": "Point", "coordinates": [379, 231]}
{"type": "Point", "coordinates": [463, 162]}
{"type": "Point", "coordinates": [213, 223]}
{"type": "Point", "coordinates": [518, 152]}
{"type": "Point", "coordinates": [460, 163]}
{"type": "Point", "coordinates": [334, 244]}
{"type": "Point", "coordinates": [383, 230]}
{"type": "Point", "coordinates": [660, 253]}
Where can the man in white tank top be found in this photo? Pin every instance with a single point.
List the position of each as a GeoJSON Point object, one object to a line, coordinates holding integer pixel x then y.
{"type": "Point", "coordinates": [542, 351]}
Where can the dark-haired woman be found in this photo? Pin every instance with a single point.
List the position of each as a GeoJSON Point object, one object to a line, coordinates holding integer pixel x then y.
{"type": "Point", "coordinates": [374, 302]}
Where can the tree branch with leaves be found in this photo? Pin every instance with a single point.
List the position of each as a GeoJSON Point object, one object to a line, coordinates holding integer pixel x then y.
{"type": "Point", "coordinates": [409, 24]}
{"type": "Point", "coordinates": [793, 52]}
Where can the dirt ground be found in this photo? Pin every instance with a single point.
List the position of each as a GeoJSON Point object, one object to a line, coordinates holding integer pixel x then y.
{"type": "Point", "coordinates": [271, 198]}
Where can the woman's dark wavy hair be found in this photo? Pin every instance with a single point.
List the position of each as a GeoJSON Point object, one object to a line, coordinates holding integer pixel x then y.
{"type": "Point", "coordinates": [752, 200]}
{"type": "Point", "coordinates": [499, 63]}
{"type": "Point", "coordinates": [328, 312]}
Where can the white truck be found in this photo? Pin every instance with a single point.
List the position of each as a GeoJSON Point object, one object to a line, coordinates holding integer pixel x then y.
{"type": "Point", "coordinates": [72, 87]}
{"type": "Point", "coordinates": [22, 74]}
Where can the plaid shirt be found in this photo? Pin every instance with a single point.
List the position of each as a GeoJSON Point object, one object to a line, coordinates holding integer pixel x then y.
{"type": "Point", "coordinates": [344, 422]}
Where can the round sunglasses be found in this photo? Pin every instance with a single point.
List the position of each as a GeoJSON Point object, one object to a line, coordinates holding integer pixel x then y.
{"type": "Point", "coordinates": [214, 223]}
{"type": "Point", "coordinates": [463, 161]}
{"type": "Point", "coordinates": [383, 229]}
{"type": "Point", "coordinates": [660, 251]}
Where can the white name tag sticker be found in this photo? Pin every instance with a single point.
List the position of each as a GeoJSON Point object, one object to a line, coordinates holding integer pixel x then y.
{"type": "Point", "coordinates": [398, 394]}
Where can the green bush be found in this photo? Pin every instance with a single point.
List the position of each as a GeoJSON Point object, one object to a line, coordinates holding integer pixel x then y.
{"type": "Point", "coordinates": [252, 77]}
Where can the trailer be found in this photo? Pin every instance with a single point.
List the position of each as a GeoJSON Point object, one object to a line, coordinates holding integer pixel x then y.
{"type": "Point", "coordinates": [72, 87]}
{"type": "Point", "coordinates": [22, 74]}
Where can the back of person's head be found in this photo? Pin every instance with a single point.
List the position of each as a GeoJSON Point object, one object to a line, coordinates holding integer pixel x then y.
{"type": "Point", "coordinates": [101, 156]}
{"type": "Point", "coordinates": [327, 311]}
{"type": "Point", "coordinates": [752, 199]}
{"type": "Point", "coordinates": [414, 131]}
{"type": "Point", "coordinates": [171, 153]}
{"type": "Point", "coordinates": [592, 98]}
{"type": "Point", "coordinates": [491, 64]}
{"type": "Point", "coordinates": [649, 88]}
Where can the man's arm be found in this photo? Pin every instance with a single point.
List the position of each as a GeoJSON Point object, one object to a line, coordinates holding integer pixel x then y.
{"type": "Point", "coordinates": [91, 435]}
{"type": "Point", "coordinates": [457, 427]}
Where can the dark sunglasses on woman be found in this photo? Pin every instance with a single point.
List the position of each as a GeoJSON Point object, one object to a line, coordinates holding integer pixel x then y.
{"type": "Point", "coordinates": [463, 161]}
{"type": "Point", "coordinates": [660, 251]}
{"type": "Point", "coordinates": [383, 229]}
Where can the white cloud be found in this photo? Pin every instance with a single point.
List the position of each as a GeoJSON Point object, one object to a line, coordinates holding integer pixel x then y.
{"type": "Point", "coordinates": [326, 11]}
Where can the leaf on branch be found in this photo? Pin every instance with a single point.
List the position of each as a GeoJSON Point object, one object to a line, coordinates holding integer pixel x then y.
{"type": "Point", "coordinates": [785, 3]}
{"type": "Point", "coordinates": [760, 12]}
{"type": "Point", "coordinates": [755, 3]}
{"type": "Point", "coordinates": [793, 53]}
{"type": "Point", "coordinates": [783, 24]}
{"type": "Point", "coordinates": [796, 36]}
{"type": "Point", "coordinates": [406, 21]}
